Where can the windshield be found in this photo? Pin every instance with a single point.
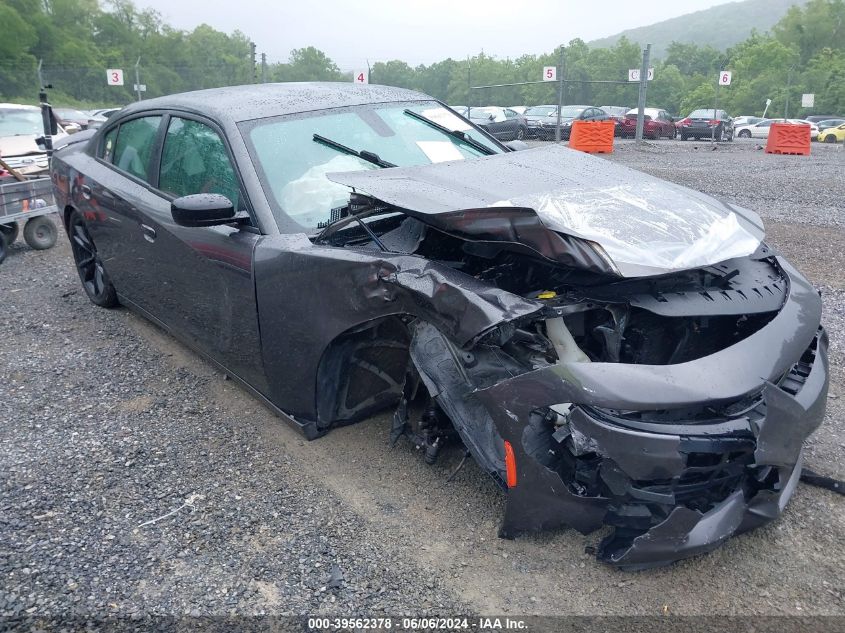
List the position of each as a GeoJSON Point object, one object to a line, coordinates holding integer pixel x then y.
{"type": "Point", "coordinates": [20, 122]}
{"type": "Point", "coordinates": [293, 166]}
{"type": "Point", "coordinates": [571, 113]}
{"type": "Point", "coordinates": [703, 114]}
{"type": "Point", "coordinates": [541, 111]}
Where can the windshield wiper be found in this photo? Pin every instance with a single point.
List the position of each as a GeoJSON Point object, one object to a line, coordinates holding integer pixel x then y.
{"type": "Point", "coordinates": [366, 155]}
{"type": "Point", "coordinates": [456, 134]}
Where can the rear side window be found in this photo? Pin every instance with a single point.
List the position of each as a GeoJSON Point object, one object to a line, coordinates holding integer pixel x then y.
{"type": "Point", "coordinates": [134, 146]}
{"type": "Point", "coordinates": [194, 160]}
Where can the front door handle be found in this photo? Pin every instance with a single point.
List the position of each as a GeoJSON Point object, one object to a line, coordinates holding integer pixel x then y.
{"type": "Point", "coordinates": [149, 233]}
{"type": "Point", "coordinates": [86, 191]}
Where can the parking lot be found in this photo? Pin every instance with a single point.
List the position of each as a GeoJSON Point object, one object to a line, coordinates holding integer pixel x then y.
{"type": "Point", "coordinates": [137, 479]}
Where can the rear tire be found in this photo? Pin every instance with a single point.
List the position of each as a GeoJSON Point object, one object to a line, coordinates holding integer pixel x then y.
{"type": "Point", "coordinates": [10, 232]}
{"type": "Point", "coordinates": [92, 274]}
{"type": "Point", "coordinates": [40, 233]}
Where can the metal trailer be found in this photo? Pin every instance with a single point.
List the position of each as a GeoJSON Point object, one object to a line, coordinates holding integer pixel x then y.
{"type": "Point", "coordinates": [30, 200]}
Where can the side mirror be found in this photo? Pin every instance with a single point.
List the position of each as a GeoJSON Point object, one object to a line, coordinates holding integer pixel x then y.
{"type": "Point", "coordinates": [515, 146]}
{"type": "Point", "coordinates": [202, 209]}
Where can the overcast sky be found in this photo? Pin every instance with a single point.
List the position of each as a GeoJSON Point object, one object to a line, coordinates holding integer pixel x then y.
{"type": "Point", "coordinates": [418, 31]}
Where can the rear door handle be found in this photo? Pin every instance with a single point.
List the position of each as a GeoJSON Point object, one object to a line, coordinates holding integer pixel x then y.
{"type": "Point", "coordinates": [86, 191]}
{"type": "Point", "coordinates": [149, 232]}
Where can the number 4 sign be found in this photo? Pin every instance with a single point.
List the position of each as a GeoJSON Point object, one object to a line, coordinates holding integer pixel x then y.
{"type": "Point", "coordinates": [114, 77]}
{"type": "Point", "coordinates": [725, 78]}
{"type": "Point", "coordinates": [360, 77]}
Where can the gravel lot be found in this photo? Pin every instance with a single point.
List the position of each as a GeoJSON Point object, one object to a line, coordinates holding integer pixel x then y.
{"type": "Point", "coordinates": [134, 478]}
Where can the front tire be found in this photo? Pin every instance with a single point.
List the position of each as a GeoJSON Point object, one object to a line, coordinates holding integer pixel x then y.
{"type": "Point", "coordinates": [744, 134]}
{"type": "Point", "coordinates": [830, 138]}
{"type": "Point", "coordinates": [92, 274]}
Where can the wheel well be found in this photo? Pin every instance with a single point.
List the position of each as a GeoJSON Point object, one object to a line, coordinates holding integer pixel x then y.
{"type": "Point", "coordinates": [66, 215]}
{"type": "Point", "coordinates": [362, 371]}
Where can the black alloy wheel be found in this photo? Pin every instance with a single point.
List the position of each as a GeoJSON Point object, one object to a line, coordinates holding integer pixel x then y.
{"type": "Point", "coordinates": [92, 274]}
{"type": "Point", "coordinates": [9, 232]}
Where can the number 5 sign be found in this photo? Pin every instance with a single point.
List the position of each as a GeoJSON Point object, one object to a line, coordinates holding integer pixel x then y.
{"type": "Point", "coordinates": [549, 73]}
{"type": "Point", "coordinates": [725, 78]}
{"type": "Point", "coordinates": [114, 77]}
{"type": "Point", "coordinates": [360, 77]}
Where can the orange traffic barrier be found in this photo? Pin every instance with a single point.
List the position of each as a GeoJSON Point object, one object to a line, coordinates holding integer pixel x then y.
{"type": "Point", "coordinates": [594, 137]}
{"type": "Point", "coordinates": [789, 138]}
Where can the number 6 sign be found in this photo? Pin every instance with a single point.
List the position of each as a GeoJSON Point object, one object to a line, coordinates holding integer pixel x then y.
{"type": "Point", "coordinates": [114, 77]}
{"type": "Point", "coordinates": [725, 78]}
{"type": "Point", "coordinates": [360, 77]}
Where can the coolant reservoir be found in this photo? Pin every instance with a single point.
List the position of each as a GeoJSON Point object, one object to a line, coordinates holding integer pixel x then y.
{"type": "Point", "coordinates": [565, 346]}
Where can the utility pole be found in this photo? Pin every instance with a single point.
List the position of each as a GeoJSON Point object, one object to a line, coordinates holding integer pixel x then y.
{"type": "Point", "coordinates": [254, 65]}
{"type": "Point", "coordinates": [264, 68]}
{"type": "Point", "coordinates": [559, 95]}
{"type": "Point", "coordinates": [788, 84]}
{"type": "Point", "coordinates": [138, 78]}
{"type": "Point", "coordinates": [642, 97]}
{"type": "Point", "coordinates": [469, 84]}
{"type": "Point", "coordinates": [369, 73]}
{"type": "Point", "coordinates": [47, 116]}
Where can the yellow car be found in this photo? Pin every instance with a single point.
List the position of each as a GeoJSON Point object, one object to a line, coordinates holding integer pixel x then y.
{"type": "Point", "coordinates": [833, 134]}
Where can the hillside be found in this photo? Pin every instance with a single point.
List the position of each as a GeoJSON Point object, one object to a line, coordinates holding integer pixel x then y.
{"type": "Point", "coordinates": [720, 26]}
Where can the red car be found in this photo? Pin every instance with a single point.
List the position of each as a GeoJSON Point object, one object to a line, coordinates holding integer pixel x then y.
{"type": "Point", "coordinates": [656, 123]}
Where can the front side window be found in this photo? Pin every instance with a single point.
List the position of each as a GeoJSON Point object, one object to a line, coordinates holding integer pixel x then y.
{"type": "Point", "coordinates": [293, 166]}
{"type": "Point", "coordinates": [134, 146]}
{"type": "Point", "coordinates": [194, 160]}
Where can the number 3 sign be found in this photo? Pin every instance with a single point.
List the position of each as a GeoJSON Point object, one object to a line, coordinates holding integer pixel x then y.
{"type": "Point", "coordinates": [114, 77]}
{"type": "Point", "coordinates": [360, 77]}
{"type": "Point", "coordinates": [725, 78]}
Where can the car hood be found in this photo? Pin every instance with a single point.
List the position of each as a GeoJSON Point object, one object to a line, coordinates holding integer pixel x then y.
{"type": "Point", "coordinates": [19, 145]}
{"type": "Point", "coordinates": [644, 225]}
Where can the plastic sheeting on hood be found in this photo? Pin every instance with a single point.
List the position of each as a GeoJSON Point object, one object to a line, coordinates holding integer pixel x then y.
{"type": "Point", "coordinates": [645, 225]}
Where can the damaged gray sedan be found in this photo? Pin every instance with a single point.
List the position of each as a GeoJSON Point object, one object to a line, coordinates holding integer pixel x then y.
{"type": "Point", "coordinates": [612, 349]}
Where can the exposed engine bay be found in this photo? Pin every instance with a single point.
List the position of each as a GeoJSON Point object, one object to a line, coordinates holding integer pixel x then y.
{"type": "Point", "coordinates": [671, 469]}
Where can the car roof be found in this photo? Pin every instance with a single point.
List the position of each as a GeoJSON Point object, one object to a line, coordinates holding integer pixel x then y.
{"type": "Point", "coordinates": [18, 106]}
{"type": "Point", "coordinates": [648, 111]}
{"type": "Point", "coordinates": [256, 101]}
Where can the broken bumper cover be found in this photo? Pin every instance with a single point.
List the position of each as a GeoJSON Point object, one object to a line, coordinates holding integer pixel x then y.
{"type": "Point", "coordinates": [672, 486]}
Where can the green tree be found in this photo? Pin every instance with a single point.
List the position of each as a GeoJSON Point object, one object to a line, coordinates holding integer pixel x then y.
{"type": "Point", "coordinates": [307, 64]}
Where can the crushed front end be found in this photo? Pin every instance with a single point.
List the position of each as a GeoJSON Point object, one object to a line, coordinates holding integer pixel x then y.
{"type": "Point", "coordinates": [662, 371]}
{"type": "Point", "coordinates": [680, 426]}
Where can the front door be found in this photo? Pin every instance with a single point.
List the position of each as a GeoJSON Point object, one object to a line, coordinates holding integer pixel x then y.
{"type": "Point", "coordinates": [200, 279]}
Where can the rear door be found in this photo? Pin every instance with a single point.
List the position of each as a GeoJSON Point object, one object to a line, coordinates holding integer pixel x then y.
{"type": "Point", "coordinates": [511, 123]}
{"type": "Point", "coordinates": [114, 192]}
